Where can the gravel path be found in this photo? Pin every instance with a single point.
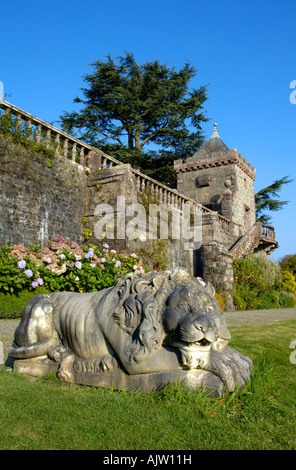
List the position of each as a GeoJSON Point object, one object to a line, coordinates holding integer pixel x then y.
{"type": "Point", "coordinates": [259, 317]}
{"type": "Point", "coordinates": [253, 317]}
{"type": "Point", "coordinates": [7, 329]}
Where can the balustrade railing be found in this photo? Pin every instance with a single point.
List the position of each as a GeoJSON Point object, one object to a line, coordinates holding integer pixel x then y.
{"type": "Point", "coordinates": [267, 231]}
{"type": "Point", "coordinates": [64, 144]}
{"type": "Point", "coordinates": [68, 147]}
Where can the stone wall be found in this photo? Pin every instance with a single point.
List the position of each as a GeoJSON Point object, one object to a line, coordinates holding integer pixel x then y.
{"type": "Point", "coordinates": [104, 187]}
{"type": "Point", "coordinates": [39, 198]}
{"type": "Point", "coordinates": [243, 199]}
{"type": "Point", "coordinates": [218, 269]}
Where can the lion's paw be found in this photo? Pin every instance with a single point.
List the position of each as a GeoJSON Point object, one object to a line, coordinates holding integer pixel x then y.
{"type": "Point", "coordinates": [65, 371]}
{"type": "Point", "coordinates": [231, 367]}
{"type": "Point", "coordinates": [108, 363]}
{"type": "Point", "coordinates": [65, 375]}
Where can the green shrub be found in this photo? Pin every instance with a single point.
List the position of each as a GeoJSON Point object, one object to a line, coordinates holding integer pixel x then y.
{"type": "Point", "coordinates": [288, 263]}
{"type": "Point", "coordinates": [269, 298]}
{"type": "Point", "coordinates": [286, 300]}
{"type": "Point", "coordinates": [239, 301]}
{"type": "Point", "coordinates": [61, 266]}
{"type": "Point", "coordinates": [12, 305]}
{"type": "Point", "coordinates": [288, 281]}
{"type": "Point", "coordinates": [245, 298]}
{"type": "Point", "coordinates": [13, 278]}
{"type": "Point", "coordinates": [248, 282]}
{"type": "Point", "coordinates": [271, 271]}
{"type": "Point", "coordinates": [259, 284]}
{"type": "Point", "coordinates": [248, 275]}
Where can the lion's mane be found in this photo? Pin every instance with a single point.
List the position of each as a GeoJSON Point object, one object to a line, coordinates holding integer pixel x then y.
{"type": "Point", "coordinates": [140, 312]}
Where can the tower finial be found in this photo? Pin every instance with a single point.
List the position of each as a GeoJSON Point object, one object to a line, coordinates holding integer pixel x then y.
{"type": "Point", "coordinates": [215, 131]}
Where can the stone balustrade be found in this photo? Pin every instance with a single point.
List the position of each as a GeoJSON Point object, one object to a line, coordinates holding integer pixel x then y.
{"type": "Point", "coordinates": [64, 144]}
{"type": "Point", "coordinates": [68, 147]}
{"type": "Point", "coordinates": [267, 231]}
{"type": "Point", "coordinates": [258, 235]}
{"type": "Point", "coordinates": [166, 195]}
{"type": "Point", "coordinates": [161, 193]}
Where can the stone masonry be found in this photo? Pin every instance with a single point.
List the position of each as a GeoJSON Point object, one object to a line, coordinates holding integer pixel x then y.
{"type": "Point", "coordinates": [222, 180]}
{"type": "Point", "coordinates": [38, 200]}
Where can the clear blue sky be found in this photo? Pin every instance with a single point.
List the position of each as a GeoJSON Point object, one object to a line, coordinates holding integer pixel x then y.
{"type": "Point", "coordinates": [243, 50]}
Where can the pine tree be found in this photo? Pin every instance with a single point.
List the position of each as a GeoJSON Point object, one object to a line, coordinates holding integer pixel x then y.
{"type": "Point", "coordinates": [265, 202]}
{"type": "Point", "coordinates": [128, 107]}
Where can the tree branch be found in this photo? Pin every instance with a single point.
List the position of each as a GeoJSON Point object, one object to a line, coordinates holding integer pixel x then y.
{"type": "Point", "coordinates": [155, 134]}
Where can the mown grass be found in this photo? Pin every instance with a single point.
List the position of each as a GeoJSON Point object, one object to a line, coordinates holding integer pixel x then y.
{"type": "Point", "coordinates": [49, 414]}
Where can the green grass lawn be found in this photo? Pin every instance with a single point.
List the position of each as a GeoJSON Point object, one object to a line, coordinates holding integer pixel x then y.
{"type": "Point", "coordinates": [49, 414]}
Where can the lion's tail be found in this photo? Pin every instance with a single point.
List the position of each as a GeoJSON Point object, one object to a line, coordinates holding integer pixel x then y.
{"type": "Point", "coordinates": [33, 350]}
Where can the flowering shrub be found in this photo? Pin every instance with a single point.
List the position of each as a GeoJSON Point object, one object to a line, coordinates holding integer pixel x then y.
{"type": "Point", "coordinates": [259, 284]}
{"type": "Point", "coordinates": [288, 281]}
{"type": "Point", "coordinates": [63, 265]}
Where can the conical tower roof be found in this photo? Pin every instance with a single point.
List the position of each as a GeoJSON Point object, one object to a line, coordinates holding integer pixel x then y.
{"type": "Point", "coordinates": [212, 147]}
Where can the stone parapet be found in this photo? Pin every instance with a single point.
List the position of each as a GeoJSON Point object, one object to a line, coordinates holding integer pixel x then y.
{"type": "Point", "coordinates": [230, 158]}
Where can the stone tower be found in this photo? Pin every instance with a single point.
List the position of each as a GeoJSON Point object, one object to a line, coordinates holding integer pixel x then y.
{"type": "Point", "coordinates": [222, 180]}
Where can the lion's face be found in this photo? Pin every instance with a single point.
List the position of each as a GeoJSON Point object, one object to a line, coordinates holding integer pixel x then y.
{"type": "Point", "coordinates": [194, 325]}
{"type": "Point", "coordinates": [170, 310]}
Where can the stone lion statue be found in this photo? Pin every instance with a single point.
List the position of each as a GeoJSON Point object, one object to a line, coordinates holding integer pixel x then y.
{"type": "Point", "coordinates": [143, 333]}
